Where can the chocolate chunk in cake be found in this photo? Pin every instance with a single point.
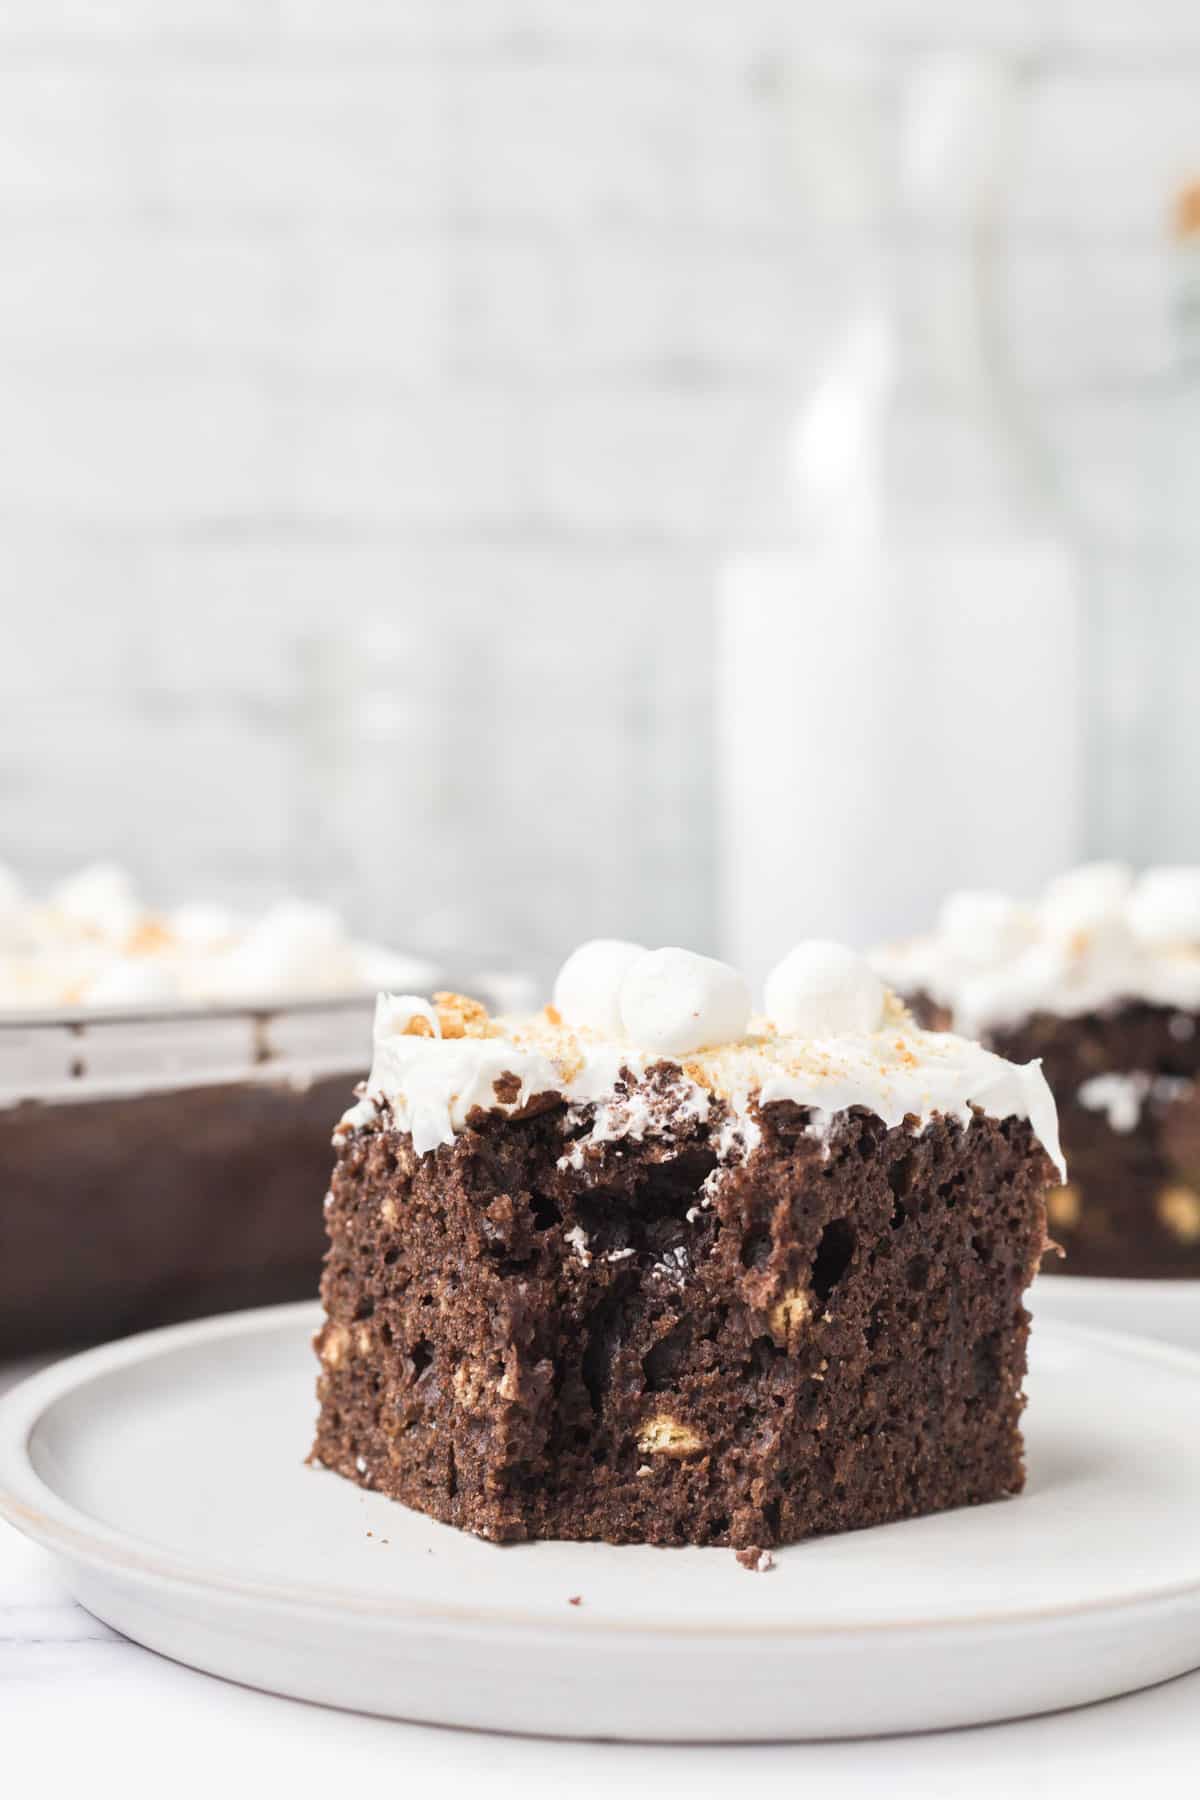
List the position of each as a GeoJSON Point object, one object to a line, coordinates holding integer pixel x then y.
{"type": "Point", "coordinates": [645, 1269]}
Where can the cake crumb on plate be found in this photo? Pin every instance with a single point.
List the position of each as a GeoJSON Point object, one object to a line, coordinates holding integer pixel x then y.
{"type": "Point", "coordinates": [756, 1559]}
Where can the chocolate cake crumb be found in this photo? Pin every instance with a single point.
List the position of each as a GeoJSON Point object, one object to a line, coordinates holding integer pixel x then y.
{"type": "Point", "coordinates": [825, 1335]}
{"type": "Point", "coordinates": [758, 1560]}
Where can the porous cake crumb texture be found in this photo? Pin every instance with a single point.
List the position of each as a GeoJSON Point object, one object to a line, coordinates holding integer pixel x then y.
{"type": "Point", "coordinates": [673, 1338]}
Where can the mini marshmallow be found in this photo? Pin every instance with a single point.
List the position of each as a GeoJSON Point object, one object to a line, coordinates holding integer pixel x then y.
{"type": "Point", "coordinates": [100, 899]}
{"type": "Point", "coordinates": [203, 926]}
{"type": "Point", "coordinates": [57, 952]}
{"type": "Point", "coordinates": [132, 981]}
{"type": "Point", "coordinates": [295, 948]}
{"type": "Point", "coordinates": [677, 1002]}
{"type": "Point", "coordinates": [824, 990]}
{"type": "Point", "coordinates": [587, 990]}
{"type": "Point", "coordinates": [1089, 899]}
{"type": "Point", "coordinates": [1164, 907]}
{"type": "Point", "coordinates": [983, 928]}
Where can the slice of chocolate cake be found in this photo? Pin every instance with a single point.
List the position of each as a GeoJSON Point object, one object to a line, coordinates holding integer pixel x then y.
{"type": "Point", "coordinates": [642, 1268]}
{"type": "Point", "coordinates": [1101, 980]}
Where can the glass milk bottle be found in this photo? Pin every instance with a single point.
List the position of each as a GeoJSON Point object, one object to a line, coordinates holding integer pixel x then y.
{"type": "Point", "coordinates": [898, 620]}
{"type": "Point", "coordinates": [1144, 740]}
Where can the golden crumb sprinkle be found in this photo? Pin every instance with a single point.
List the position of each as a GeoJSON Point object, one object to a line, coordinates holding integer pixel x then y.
{"type": "Point", "coordinates": [460, 1016]}
{"type": "Point", "coordinates": [151, 935]}
{"type": "Point", "coordinates": [552, 1015]}
{"type": "Point", "coordinates": [417, 1026]}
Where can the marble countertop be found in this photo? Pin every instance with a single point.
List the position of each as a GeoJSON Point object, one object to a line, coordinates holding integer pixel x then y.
{"type": "Point", "coordinates": [74, 1698]}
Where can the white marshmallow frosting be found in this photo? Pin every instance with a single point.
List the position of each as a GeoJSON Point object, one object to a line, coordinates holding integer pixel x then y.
{"type": "Point", "coordinates": [1164, 908]}
{"type": "Point", "coordinates": [94, 943]}
{"type": "Point", "coordinates": [99, 899]}
{"type": "Point", "coordinates": [1096, 938]}
{"type": "Point", "coordinates": [852, 1045]}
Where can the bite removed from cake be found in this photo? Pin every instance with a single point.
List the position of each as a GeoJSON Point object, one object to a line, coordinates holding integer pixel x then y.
{"type": "Point", "coordinates": [643, 1268]}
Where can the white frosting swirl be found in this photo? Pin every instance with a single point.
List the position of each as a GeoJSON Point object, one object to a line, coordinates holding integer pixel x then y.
{"type": "Point", "coordinates": [1095, 940]}
{"type": "Point", "coordinates": [100, 899]}
{"type": "Point", "coordinates": [432, 1085]}
{"type": "Point", "coordinates": [983, 928]}
{"type": "Point", "coordinates": [132, 982]}
{"type": "Point", "coordinates": [1093, 898]}
{"type": "Point", "coordinates": [1164, 908]}
{"type": "Point", "coordinates": [93, 942]}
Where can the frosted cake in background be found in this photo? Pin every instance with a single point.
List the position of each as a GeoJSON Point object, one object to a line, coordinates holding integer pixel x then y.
{"type": "Point", "coordinates": [93, 943]}
{"type": "Point", "coordinates": [1100, 978]}
{"type": "Point", "coordinates": [167, 1080]}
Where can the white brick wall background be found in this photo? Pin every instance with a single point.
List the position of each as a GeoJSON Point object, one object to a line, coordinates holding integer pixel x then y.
{"type": "Point", "coordinates": [415, 348]}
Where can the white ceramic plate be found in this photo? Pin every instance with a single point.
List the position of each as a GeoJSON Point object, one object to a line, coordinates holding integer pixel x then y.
{"type": "Point", "coordinates": [1166, 1310]}
{"type": "Point", "coordinates": [167, 1473]}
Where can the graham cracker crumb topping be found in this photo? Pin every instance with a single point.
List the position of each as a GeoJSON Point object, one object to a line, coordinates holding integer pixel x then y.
{"type": "Point", "coordinates": [460, 1016]}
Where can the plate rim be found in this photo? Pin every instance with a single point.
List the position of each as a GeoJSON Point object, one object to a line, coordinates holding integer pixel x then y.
{"type": "Point", "coordinates": [1114, 1287]}
{"type": "Point", "coordinates": [36, 1509]}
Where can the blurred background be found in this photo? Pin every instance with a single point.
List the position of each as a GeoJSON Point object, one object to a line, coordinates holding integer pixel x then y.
{"type": "Point", "coordinates": [517, 472]}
